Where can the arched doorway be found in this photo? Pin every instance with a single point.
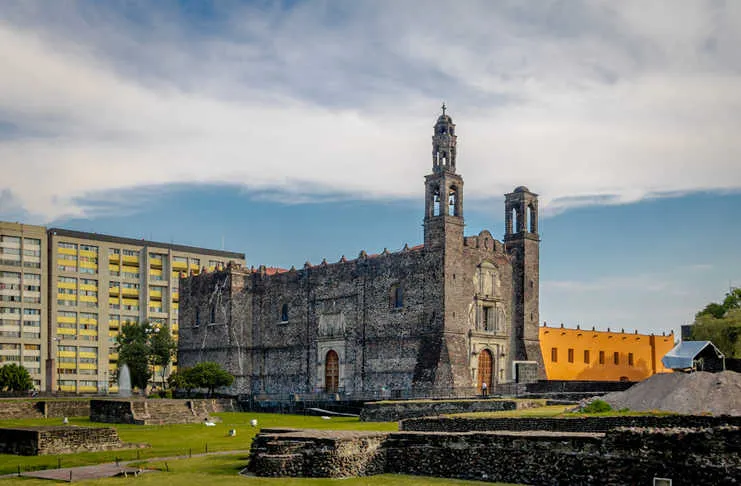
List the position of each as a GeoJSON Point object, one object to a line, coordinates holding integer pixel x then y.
{"type": "Point", "coordinates": [331, 372]}
{"type": "Point", "coordinates": [485, 368]}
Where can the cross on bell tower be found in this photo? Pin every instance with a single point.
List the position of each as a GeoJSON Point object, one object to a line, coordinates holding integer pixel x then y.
{"type": "Point", "coordinates": [443, 188]}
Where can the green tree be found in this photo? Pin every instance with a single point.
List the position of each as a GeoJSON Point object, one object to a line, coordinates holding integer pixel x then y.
{"type": "Point", "coordinates": [721, 324]}
{"type": "Point", "coordinates": [162, 349]}
{"type": "Point", "coordinates": [134, 350]}
{"type": "Point", "coordinates": [181, 380]}
{"type": "Point", "coordinates": [210, 375]}
{"type": "Point", "coordinates": [15, 378]}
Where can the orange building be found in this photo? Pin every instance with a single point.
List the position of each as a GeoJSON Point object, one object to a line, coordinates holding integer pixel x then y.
{"type": "Point", "coordinates": [580, 354]}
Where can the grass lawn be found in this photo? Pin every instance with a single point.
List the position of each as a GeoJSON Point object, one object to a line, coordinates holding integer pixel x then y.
{"type": "Point", "coordinates": [176, 440]}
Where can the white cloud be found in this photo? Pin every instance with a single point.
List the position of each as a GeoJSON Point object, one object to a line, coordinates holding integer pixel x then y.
{"type": "Point", "coordinates": [586, 103]}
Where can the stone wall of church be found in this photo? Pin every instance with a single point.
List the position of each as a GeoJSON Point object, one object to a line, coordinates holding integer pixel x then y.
{"type": "Point", "coordinates": [274, 331]}
{"type": "Point", "coordinates": [347, 307]}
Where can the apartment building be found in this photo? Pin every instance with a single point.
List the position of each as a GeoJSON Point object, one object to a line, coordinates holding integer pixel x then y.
{"type": "Point", "coordinates": [64, 296]}
{"type": "Point", "coordinates": [23, 298]}
{"type": "Point", "coordinates": [99, 283]}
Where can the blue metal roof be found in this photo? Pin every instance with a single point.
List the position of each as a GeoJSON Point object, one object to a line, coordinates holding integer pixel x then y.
{"type": "Point", "coordinates": [683, 354]}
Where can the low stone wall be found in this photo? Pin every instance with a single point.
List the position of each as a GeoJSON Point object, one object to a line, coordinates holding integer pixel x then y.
{"type": "Point", "coordinates": [158, 411]}
{"type": "Point", "coordinates": [31, 441]}
{"type": "Point", "coordinates": [66, 408]}
{"type": "Point", "coordinates": [571, 424]}
{"type": "Point", "coordinates": [391, 411]}
{"type": "Point", "coordinates": [13, 409]}
{"type": "Point", "coordinates": [620, 457]}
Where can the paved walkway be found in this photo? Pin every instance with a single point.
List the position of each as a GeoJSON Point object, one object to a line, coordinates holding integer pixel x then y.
{"type": "Point", "coordinates": [108, 469]}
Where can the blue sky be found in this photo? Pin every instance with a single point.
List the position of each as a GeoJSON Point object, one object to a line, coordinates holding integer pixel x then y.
{"type": "Point", "coordinates": [296, 131]}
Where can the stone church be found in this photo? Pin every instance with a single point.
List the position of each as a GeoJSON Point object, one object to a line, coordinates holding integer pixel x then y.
{"type": "Point", "coordinates": [444, 316]}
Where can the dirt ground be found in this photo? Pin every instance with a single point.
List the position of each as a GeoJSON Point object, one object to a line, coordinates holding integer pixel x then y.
{"type": "Point", "coordinates": [688, 393]}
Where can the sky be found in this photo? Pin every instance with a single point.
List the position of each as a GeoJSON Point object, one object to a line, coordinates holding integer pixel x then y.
{"type": "Point", "coordinates": [299, 130]}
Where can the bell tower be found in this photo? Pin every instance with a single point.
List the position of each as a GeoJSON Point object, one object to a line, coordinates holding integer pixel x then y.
{"type": "Point", "coordinates": [443, 189]}
{"type": "Point", "coordinates": [522, 242]}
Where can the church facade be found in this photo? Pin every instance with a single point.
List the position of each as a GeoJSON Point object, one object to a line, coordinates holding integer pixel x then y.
{"type": "Point", "coordinates": [450, 314]}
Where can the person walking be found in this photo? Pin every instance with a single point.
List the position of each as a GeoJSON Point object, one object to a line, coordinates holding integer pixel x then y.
{"type": "Point", "coordinates": [484, 390]}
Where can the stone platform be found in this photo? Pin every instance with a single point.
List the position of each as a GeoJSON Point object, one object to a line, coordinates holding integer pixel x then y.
{"type": "Point", "coordinates": [34, 441]}
{"type": "Point", "coordinates": [394, 410]}
{"type": "Point", "coordinates": [622, 456]}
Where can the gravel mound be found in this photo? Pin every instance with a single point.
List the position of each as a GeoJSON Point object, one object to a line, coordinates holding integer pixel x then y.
{"type": "Point", "coordinates": [687, 393]}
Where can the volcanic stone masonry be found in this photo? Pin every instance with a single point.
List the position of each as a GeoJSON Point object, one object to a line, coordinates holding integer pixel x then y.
{"type": "Point", "coordinates": [450, 314]}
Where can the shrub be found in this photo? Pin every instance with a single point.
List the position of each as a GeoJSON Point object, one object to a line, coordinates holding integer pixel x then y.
{"type": "Point", "coordinates": [597, 406]}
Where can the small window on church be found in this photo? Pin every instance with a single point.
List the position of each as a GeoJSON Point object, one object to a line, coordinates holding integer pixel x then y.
{"type": "Point", "coordinates": [554, 355]}
{"type": "Point", "coordinates": [488, 317]}
{"type": "Point", "coordinates": [396, 296]}
{"type": "Point", "coordinates": [630, 359]}
{"type": "Point", "coordinates": [571, 355]}
{"type": "Point", "coordinates": [616, 358]}
{"type": "Point", "coordinates": [284, 313]}
{"type": "Point", "coordinates": [601, 357]}
{"type": "Point", "coordinates": [586, 356]}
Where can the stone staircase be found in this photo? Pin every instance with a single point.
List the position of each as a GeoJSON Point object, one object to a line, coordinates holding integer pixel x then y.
{"type": "Point", "coordinates": [169, 412]}
{"type": "Point", "coordinates": [158, 411]}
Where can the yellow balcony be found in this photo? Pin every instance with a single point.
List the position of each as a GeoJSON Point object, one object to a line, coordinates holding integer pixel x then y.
{"type": "Point", "coordinates": [87, 389]}
{"type": "Point", "coordinates": [113, 388]}
{"type": "Point", "coordinates": [89, 320]}
{"type": "Point", "coordinates": [88, 366]}
{"type": "Point", "coordinates": [130, 292]}
{"type": "Point", "coordinates": [90, 253]}
{"type": "Point", "coordinates": [126, 301]}
{"type": "Point", "coordinates": [66, 285]}
{"type": "Point", "coordinates": [88, 354]}
{"type": "Point", "coordinates": [114, 291]}
{"type": "Point", "coordinates": [131, 259]}
{"type": "Point", "coordinates": [179, 265]}
{"type": "Point", "coordinates": [67, 388]}
{"type": "Point", "coordinates": [114, 268]}
{"type": "Point", "coordinates": [114, 257]}
{"type": "Point", "coordinates": [66, 354]}
{"type": "Point", "coordinates": [93, 287]}
{"type": "Point", "coordinates": [67, 332]}
{"type": "Point", "coordinates": [65, 319]}
{"type": "Point", "coordinates": [88, 332]}
{"type": "Point", "coordinates": [155, 294]}
{"type": "Point", "coordinates": [155, 262]}
{"type": "Point", "coordinates": [67, 251]}
{"type": "Point", "coordinates": [89, 298]}
{"type": "Point", "coordinates": [175, 296]}
{"type": "Point", "coordinates": [67, 366]}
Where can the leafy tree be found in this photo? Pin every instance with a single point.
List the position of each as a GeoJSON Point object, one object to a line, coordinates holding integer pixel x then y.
{"type": "Point", "coordinates": [181, 380]}
{"type": "Point", "coordinates": [162, 349]}
{"type": "Point", "coordinates": [210, 375]}
{"type": "Point", "coordinates": [134, 350]}
{"type": "Point", "coordinates": [721, 324]}
{"type": "Point", "coordinates": [15, 378]}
